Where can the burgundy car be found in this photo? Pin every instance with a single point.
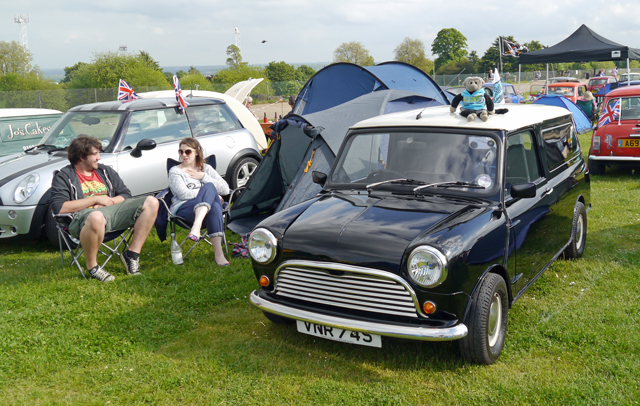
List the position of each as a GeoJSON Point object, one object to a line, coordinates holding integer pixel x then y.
{"type": "Point", "coordinates": [597, 82]}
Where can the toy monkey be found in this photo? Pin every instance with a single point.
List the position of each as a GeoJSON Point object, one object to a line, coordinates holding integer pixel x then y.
{"type": "Point", "coordinates": [475, 102]}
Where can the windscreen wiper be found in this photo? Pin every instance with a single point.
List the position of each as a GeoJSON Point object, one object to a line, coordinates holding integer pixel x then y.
{"type": "Point", "coordinates": [397, 181]}
{"type": "Point", "coordinates": [39, 146]}
{"type": "Point", "coordinates": [450, 184]}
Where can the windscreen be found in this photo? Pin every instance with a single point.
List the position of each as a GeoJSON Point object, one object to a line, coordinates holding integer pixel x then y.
{"type": "Point", "coordinates": [425, 157]}
{"type": "Point", "coordinates": [100, 125]}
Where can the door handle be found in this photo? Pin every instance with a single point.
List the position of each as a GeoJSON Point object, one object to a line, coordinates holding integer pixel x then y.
{"type": "Point", "coordinates": [546, 193]}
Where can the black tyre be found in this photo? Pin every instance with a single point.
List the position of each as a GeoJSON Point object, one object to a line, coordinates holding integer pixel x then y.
{"type": "Point", "coordinates": [578, 233]}
{"type": "Point", "coordinates": [241, 172]}
{"type": "Point", "coordinates": [274, 318]}
{"type": "Point", "coordinates": [50, 230]}
{"type": "Point", "coordinates": [487, 322]}
{"type": "Point", "coordinates": [596, 168]}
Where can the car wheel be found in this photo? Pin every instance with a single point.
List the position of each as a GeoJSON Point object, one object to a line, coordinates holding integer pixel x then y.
{"type": "Point", "coordinates": [242, 171]}
{"type": "Point", "coordinates": [486, 321]}
{"type": "Point", "coordinates": [50, 229]}
{"type": "Point", "coordinates": [578, 232]}
{"type": "Point", "coordinates": [274, 318]}
{"type": "Point", "coordinates": [596, 168]}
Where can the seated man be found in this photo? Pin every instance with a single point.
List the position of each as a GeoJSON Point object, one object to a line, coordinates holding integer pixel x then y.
{"type": "Point", "coordinates": [100, 202]}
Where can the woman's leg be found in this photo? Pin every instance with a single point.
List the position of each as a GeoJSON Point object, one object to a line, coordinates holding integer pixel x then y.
{"type": "Point", "coordinates": [216, 242]}
{"type": "Point", "coordinates": [215, 230]}
{"type": "Point", "coordinates": [196, 209]}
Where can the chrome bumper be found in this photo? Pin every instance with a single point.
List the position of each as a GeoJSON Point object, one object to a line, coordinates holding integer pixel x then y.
{"type": "Point", "coordinates": [389, 330]}
{"type": "Point", "coordinates": [614, 158]}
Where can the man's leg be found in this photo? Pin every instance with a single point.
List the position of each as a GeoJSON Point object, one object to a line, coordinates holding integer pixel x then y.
{"type": "Point", "coordinates": [144, 223]}
{"type": "Point", "coordinates": [91, 236]}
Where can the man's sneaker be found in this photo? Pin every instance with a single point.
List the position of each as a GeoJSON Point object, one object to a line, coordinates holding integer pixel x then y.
{"type": "Point", "coordinates": [133, 265]}
{"type": "Point", "coordinates": [100, 274]}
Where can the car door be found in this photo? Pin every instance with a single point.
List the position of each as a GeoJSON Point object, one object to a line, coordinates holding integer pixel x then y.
{"type": "Point", "coordinates": [148, 173]}
{"type": "Point", "coordinates": [531, 223]}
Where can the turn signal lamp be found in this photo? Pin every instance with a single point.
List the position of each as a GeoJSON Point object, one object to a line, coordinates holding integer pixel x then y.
{"type": "Point", "coordinates": [264, 281]}
{"type": "Point", "coordinates": [429, 307]}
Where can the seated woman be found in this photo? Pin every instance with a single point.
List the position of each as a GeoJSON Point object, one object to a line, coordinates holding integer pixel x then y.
{"type": "Point", "coordinates": [197, 190]}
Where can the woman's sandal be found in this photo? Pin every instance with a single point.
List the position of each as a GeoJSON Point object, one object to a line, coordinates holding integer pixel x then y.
{"type": "Point", "coordinates": [193, 237]}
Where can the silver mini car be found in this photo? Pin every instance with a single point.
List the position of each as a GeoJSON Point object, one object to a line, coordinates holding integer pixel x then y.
{"type": "Point", "coordinates": [137, 138]}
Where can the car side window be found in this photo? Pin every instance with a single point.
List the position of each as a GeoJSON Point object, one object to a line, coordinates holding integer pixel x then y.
{"type": "Point", "coordinates": [212, 119]}
{"type": "Point", "coordinates": [163, 125]}
{"type": "Point", "coordinates": [560, 144]}
{"type": "Point", "coordinates": [522, 162]}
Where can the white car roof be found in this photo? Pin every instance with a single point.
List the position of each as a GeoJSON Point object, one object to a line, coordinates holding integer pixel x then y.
{"type": "Point", "coordinates": [26, 112]}
{"type": "Point", "coordinates": [518, 116]}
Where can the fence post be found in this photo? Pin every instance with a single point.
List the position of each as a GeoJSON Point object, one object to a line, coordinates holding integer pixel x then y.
{"type": "Point", "coordinates": [95, 94]}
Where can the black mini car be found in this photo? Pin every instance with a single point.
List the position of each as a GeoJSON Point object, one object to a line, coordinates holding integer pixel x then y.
{"type": "Point", "coordinates": [428, 227]}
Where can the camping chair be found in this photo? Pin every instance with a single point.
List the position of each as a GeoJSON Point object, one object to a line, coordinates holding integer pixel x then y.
{"type": "Point", "coordinates": [114, 243]}
{"type": "Point", "coordinates": [589, 111]}
{"type": "Point", "coordinates": [165, 197]}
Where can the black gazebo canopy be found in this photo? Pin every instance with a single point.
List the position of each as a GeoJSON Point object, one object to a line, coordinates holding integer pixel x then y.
{"type": "Point", "coordinates": [584, 45]}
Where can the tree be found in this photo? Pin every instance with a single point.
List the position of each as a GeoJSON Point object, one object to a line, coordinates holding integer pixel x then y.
{"type": "Point", "coordinates": [70, 71]}
{"type": "Point", "coordinates": [281, 75]}
{"type": "Point", "coordinates": [234, 59]}
{"type": "Point", "coordinates": [304, 73]}
{"type": "Point", "coordinates": [353, 52]}
{"type": "Point", "coordinates": [449, 45]}
{"type": "Point", "coordinates": [412, 51]}
{"type": "Point", "coordinates": [146, 58]}
{"type": "Point", "coordinates": [108, 67]}
{"type": "Point", "coordinates": [14, 58]}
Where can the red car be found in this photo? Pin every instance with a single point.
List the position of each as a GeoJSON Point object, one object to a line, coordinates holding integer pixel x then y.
{"type": "Point", "coordinates": [597, 82]}
{"type": "Point", "coordinates": [571, 90]}
{"type": "Point", "coordinates": [616, 139]}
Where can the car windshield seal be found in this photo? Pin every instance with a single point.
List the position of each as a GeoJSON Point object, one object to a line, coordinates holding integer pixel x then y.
{"type": "Point", "coordinates": [456, 183]}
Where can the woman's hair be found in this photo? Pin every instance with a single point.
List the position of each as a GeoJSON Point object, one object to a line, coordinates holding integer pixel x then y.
{"type": "Point", "coordinates": [81, 147]}
{"type": "Point", "coordinates": [195, 145]}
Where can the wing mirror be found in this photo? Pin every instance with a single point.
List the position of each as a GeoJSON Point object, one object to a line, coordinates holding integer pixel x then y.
{"type": "Point", "coordinates": [144, 145]}
{"type": "Point", "coordinates": [523, 190]}
{"type": "Point", "coordinates": [319, 178]}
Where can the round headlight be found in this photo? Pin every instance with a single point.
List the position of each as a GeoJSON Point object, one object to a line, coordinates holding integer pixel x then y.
{"type": "Point", "coordinates": [262, 246]}
{"type": "Point", "coordinates": [427, 266]}
{"type": "Point", "coordinates": [26, 188]}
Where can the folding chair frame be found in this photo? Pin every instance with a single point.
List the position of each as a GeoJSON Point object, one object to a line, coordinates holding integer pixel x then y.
{"type": "Point", "coordinates": [119, 241]}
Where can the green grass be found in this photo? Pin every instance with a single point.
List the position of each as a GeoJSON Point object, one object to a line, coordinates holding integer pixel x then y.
{"type": "Point", "coordinates": [187, 335]}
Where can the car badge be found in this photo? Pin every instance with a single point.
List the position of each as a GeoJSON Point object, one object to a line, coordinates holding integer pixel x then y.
{"type": "Point", "coordinates": [608, 139]}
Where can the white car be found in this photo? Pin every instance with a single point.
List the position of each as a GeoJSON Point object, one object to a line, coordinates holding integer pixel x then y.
{"type": "Point", "coordinates": [21, 128]}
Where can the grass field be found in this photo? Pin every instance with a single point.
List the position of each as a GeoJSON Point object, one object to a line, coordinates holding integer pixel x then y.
{"type": "Point", "coordinates": [187, 335]}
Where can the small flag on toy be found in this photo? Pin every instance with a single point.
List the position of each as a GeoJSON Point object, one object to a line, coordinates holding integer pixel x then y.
{"type": "Point", "coordinates": [126, 93]}
{"type": "Point", "coordinates": [181, 101]}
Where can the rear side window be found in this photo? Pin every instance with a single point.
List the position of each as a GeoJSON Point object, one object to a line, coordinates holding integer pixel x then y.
{"type": "Point", "coordinates": [560, 144]}
{"type": "Point", "coordinates": [522, 163]}
{"type": "Point", "coordinates": [212, 119]}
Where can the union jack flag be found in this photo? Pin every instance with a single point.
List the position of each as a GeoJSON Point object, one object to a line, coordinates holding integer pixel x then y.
{"type": "Point", "coordinates": [126, 93]}
{"type": "Point", "coordinates": [181, 101]}
{"type": "Point", "coordinates": [609, 113]}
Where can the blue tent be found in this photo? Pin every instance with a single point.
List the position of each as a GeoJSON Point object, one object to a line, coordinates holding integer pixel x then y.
{"type": "Point", "coordinates": [579, 118]}
{"type": "Point", "coordinates": [340, 82]}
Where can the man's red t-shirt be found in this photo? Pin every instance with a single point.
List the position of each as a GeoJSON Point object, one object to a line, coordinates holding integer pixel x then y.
{"type": "Point", "coordinates": [92, 185]}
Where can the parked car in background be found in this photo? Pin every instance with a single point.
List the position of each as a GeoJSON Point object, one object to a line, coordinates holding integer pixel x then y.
{"type": "Point", "coordinates": [624, 77]}
{"type": "Point", "coordinates": [618, 141]}
{"type": "Point", "coordinates": [511, 95]}
{"type": "Point", "coordinates": [563, 79]}
{"type": "Point", "coordinates": [137, 138]}
{"type": "Point", "coordinates": [418, 225]}
{"type": "Point", "coordinates": [571, 90]}
{"type": "Point", "coordinates": [598, 82]}
{"type": "Point", "coordinates": [21, 128]}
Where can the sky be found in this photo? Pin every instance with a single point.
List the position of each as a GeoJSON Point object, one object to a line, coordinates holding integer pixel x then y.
{"type": "Point", "coordinates": [179, 33]}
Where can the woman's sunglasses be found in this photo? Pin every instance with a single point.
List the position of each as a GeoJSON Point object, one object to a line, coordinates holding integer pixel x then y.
{"type": "Point", "coordinates": [187, 152]}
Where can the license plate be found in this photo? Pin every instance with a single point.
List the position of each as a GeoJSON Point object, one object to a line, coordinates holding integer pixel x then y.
{"type": "Point", "coordinates": [629, 143]}
{"type": "Point", "coordinates": [338, 334]}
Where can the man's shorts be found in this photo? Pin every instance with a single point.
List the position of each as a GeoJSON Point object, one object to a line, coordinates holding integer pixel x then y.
{"type": "Point", "coordinates": [119, 217]}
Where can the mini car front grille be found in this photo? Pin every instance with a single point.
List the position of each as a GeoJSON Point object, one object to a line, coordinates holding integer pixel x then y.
{"type": "Point", "coordinates": [349, 290]}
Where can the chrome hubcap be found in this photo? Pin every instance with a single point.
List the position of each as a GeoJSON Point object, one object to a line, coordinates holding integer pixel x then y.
{"type": "Point", "coordinates": [579, 233]}
{"type": "Point", "coordinates": [245, 173]}
{"type": "Point", "coordinates": [495, 319]}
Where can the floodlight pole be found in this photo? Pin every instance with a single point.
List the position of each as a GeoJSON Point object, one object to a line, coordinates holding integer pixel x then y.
{"type": "Point", "coordinates": [22, 19]}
